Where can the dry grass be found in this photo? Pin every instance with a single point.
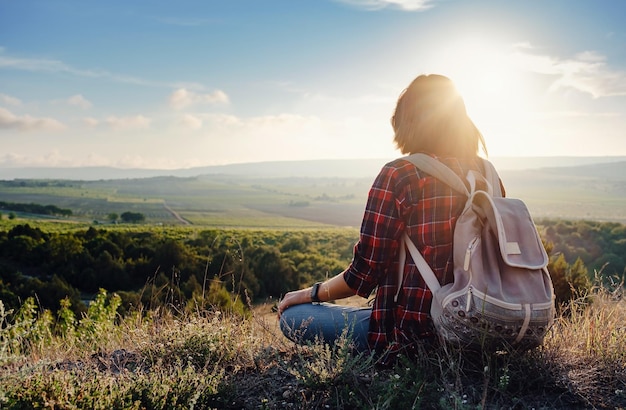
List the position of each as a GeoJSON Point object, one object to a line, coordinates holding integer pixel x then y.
{"type": "Point", "coordinates": [208, 359]}
{"type": "Point", "coordinates": [588, 350]}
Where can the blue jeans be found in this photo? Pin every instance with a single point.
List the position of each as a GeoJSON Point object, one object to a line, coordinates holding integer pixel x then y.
{"type": "Point", "coordinates": [326, 321]}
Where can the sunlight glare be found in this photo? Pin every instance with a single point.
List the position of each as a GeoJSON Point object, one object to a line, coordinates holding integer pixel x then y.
{"type": "Point", "coordinates": [495, 90]}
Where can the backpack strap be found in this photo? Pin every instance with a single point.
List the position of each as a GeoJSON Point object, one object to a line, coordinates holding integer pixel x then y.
{"type": "Point", "coordinates": [442, 172]}
{"type": "Point", "coordinates": [438, 170]}
{"type": "Point", "coordinates": [492, 177]}
{"type": "Point", "coordinates": [424, 269]}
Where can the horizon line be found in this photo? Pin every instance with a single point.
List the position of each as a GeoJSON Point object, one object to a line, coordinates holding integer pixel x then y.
{"type": "Point", "coordinates": [5, 166]}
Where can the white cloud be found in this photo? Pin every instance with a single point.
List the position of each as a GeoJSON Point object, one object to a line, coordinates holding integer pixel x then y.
{"type": "Point", "coordinates": [8, 120]}
{"type": "Point", "coordinates": [191, 122]}
{"type": "Point", "coordinates": [76, 100]}
{"type": "Point", "coordinates": [51, 158]}
{"type": "Point", "coordinates": [90, 122]}
{"type": "Point", "coordinates": [12, 159]}
{"type": "Point", "coordinates": [289, 136]}
{"type": "Point", "coordinates": [182, 98]}
{"type": "Point", "coordinates": [55, 66]}
{"type": "Point", "coordinates": [407, 5]}
{"type": "Point", "coordinates": [132, 122]}
{"type": "Point", "coordinates": [576, 114]}
{"type": "Point", "coordinates": [586, 72]}
{"type": "Point", "coordinates": [284, 124]}
{"type": "Point", "coordinates": [8, 100]}
{"type": "Point", "coordinates": [225, 120]}
{"type": "Point", "coordinates": [79, 101]}
{"type": "Point", "coordinates": [45, 65]}
{"type": "Point", "coordinates": [282, 121]}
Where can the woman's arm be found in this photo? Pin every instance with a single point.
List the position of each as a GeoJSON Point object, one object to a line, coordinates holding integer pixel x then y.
{"type": "Point", "coordinates": [332, 289]}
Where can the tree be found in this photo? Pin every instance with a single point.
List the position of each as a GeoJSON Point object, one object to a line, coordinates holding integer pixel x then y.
{"type": "Point", "coordinates": [276, 276]}
{"type": "Point", "coordinates": [172, 254]}
{"type": "Point", "coordinates": [27, 230]}
{"type": "Point", "coordinates": [133, 217]}
{"type": "Point", "coordinates": [569, 281]}
{"type": "Point", "coordinates": [113, 217]}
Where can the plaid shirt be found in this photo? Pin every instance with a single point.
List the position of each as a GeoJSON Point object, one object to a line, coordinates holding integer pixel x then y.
{"type": "Point", "coordinates": [404, 198]}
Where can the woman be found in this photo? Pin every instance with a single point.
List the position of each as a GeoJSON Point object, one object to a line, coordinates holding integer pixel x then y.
{"type": "Point", "coordinates": [430, 117]}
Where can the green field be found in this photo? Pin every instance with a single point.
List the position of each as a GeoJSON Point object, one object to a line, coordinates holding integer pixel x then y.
{"type": "Point", "coordinates": [249, 201]}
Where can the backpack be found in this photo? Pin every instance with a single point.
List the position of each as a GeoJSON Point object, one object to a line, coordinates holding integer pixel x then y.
{"type": "Point", "coordinates": [501, 296]}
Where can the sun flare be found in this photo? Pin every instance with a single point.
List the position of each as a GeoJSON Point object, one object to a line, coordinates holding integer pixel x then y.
{"type": "Point", "coordinates": [496, 91]}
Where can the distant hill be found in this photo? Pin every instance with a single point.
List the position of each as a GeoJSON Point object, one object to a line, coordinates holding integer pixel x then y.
{"type": "Point", "coordinates": [348, 168]}
{"type": "Point", "coordinates": [300, 193]}
{"type": "Point", "coordinates": [609, 170]}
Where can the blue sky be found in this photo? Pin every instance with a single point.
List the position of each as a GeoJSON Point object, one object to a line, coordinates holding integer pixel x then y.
{"type": "Point", "coordinates": [178, 84]}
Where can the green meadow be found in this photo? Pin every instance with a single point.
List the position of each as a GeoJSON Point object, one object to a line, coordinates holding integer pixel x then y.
{"type": "Point", "coordinates": [595, 193]}
{"type": "Point", "coordinates": [204, 201]}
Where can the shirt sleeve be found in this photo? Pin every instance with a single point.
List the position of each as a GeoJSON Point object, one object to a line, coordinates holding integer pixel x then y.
{"type": "Point", "coordinates": [380, 230]}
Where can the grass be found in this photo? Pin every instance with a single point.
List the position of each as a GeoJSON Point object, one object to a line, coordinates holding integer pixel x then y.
{"type": "Point", "coordinates": [248, 218]}
{"type": "Point", "coordinates": [197, 358]}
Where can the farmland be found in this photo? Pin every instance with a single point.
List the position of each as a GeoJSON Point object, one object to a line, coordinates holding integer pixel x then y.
{"type": "Point", "coordinates": [593, 192]}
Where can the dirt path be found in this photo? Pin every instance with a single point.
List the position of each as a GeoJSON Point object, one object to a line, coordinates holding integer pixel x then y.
{"type": "Point", "coordinates": [175, 215]}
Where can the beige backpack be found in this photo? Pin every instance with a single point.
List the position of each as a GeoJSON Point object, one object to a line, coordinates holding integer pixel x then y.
{"type": "Point", "coordinates": [502, 295]}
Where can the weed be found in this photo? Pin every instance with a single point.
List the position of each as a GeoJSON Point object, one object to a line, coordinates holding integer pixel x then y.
{"type": "Point", "coordinates": [207, 358]}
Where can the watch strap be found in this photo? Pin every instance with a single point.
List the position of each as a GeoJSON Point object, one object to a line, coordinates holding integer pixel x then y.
{"type": "Point", "coordinates": [315, 290]}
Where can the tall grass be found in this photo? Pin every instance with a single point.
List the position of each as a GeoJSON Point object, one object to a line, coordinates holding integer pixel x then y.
{"type": "Point", "coordinates": [207, 358]}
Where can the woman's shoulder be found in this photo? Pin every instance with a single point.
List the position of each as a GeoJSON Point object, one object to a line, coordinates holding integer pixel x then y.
{"type": "Point", "coordinates": [400, 173]}
{"type": "Point", "coordinates": [452, 162]}
{"type": "Point", "coordinates": [397, 163]}
{"type": "Point", "coordinates": [400, 168]}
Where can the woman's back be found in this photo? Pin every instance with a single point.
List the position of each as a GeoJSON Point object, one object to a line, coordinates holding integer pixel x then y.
{"type": "Point", "coordinates": [404, 198]}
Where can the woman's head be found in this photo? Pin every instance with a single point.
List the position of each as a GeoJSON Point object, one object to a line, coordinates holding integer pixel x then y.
{"type": "Point", "coordinates": [430, 117]}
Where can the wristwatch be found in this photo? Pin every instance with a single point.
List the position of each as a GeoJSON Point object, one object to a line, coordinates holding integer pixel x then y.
{"type": "Point", "coordinates": [314, 292]}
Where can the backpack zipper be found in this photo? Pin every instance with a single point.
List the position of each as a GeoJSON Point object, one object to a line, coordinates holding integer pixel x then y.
{"type": "Point", "coordinates": [471, 291]}
{"type": "Point", "coordinates": [468, 253]}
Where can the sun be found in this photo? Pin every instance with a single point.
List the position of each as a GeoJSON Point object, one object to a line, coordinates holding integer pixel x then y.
{"type": "Point", "coordinates": [497, 92]}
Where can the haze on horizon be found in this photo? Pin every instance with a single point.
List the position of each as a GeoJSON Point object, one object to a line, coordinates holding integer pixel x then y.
{"type": "Point", "coordinates": [170, 85]}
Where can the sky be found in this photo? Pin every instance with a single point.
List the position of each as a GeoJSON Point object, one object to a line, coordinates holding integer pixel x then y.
{"type": "Point", "coordinates": [167, 84]}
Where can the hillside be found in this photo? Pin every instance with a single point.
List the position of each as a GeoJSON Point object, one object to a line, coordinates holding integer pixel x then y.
{"type": "Point", "coordinates": [252, 194]}
{"type": "Point", "coordinates": [346, 168]}
{"type": "Point", "coordinates": [594, 192]}
{"type": "Point", "coordinates": [158, 344]}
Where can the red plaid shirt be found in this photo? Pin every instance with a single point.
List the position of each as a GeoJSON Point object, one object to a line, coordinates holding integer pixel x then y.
{"type": "Point", "coordinates": [404, 198]}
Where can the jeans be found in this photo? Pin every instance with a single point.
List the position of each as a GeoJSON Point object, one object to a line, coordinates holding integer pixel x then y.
{"type": "Point", "coordinates": [326, 321]}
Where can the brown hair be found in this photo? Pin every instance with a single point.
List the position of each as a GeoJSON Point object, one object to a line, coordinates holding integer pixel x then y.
{"type": "Point", "coordinates": [430, 117]}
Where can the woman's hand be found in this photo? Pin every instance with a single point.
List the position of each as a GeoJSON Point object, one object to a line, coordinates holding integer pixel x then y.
{"type": "Point", "coordinates": [296, 297]}
{"type": "Point", "coordinates": [332, 289]}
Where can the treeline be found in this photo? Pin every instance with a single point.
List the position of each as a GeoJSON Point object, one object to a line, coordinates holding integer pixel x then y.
{"type": "Point", "coordinates": [601, 246]}
{"type": "Point", "coordinates": [35, 209]}
{"type": "Point", "coordinates": [38, 183]}
{"type": "Point", "coordinates": [158, 266]}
